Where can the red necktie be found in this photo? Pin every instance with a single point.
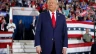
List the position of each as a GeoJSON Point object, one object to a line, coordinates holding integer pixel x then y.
{"type": "Point", "coordinates": [53, 20]}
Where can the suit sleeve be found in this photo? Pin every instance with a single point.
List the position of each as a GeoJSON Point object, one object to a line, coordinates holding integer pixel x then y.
{"type": "Point", "coordinates": [38, 30]}
{"type": "Point", "coordinates": [65, 34]}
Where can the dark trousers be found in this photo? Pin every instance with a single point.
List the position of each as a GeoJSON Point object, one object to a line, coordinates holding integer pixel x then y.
{"type": "Point", "coordinates": [93, 48]}
{"type": "Point", "coordinates": [53, 49]}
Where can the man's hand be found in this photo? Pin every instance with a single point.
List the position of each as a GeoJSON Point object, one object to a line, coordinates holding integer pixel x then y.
{"type": "Point", "coordinates": [12, 26]}
{"type": "Point", "coordinates": [38, 49]}
{"type": "Point", "coordinates": [64, 50]}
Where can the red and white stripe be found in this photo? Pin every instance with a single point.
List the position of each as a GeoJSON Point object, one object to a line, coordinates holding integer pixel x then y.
{"type": "Point", "coordinates": [74, 45]}
{"type": "Point", "coordinates": [5, 39]}
{"type": "Point", "coordinates": [88, 8]}
{"type": "Point", "coordinates": [84, 13]}
{"type": "Point", "coordinates": [94, 6]}
{"type": "Point", "coordinates": [80, 24]}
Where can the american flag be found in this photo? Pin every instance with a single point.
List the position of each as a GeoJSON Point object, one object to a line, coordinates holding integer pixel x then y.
{"type": "Point", "coordinates": [84, 13]}
{"type": "Point", "coordinates": [5, 39]}
{"type": "Point", "coordinates": [75, 43]}
{"type": "Point", "coordinates": [75, 32]}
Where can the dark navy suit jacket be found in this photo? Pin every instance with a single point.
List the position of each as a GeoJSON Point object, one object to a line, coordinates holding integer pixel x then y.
{"type": "Point", "coordinates": [46, 34]}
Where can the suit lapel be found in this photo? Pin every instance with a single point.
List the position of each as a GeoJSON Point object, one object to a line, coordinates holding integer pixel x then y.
{"type": "Point", "coordinates": [49, 18]}
{"type": "Point", "coordinates": [57, 19]}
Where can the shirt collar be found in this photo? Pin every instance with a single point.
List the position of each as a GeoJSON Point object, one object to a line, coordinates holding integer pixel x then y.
{"type": "Point", "coordinates": [51, 12]}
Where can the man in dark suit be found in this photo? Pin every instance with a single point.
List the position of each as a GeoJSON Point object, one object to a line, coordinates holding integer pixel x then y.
{"type": "Point", "coordinates": [51, 31]}
{"type": "Point", "coordinates": [20, 31]}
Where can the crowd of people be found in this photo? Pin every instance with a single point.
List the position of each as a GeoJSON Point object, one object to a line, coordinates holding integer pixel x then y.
{"type": "Point", "coordinates": [4, 14]}
{"type": "Point", "coordinates": [74, 10]}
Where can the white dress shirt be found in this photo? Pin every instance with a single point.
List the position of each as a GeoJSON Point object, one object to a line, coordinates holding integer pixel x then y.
{"type": "Point", "coordinates": [54, 14]}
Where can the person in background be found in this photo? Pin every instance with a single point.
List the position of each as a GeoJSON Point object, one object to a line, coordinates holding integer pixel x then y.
{"type": "Point", "coordinates": [13, 3]}
{"type": "Point", "coordinates": [87, 37]}
{"type": "Point", "coordinates": [38, 7]}
{"type": "Point", "coordinates": [11, 26]}
{"type": "Point", "coordinates": [80, 18]}
{"type": "Point", "coordinates": [19, 3]}
{"type": "Point", "coordinates": [20, 31]}
{"type": "Point", "coordinates": [44, 7]}
{"type": "Point", "coordinates": [31, 37]}
{"type": "Point", "coordinates": [77, 11]}
{"type": "Point", "coordinates": [24, 3]}
{"type": "Point", "coordinates": [85, 19]}
{"type": "Point", "coordinates": [3, 7]}
{"type": "Point", "coordinates": [76, 5]}
{"type": "Point", "coordinates": [69, 1]}
{"type": "Point", "coordinates": [3, 25]}
{"type": "Point", "coordinates": [0, 21]}
{"type": "Point", "coordinates": [72, 10]}
{"type": "Point", "coordinates": [73, 17]}
{"type": "Point", "coordinates": [33, 4]}
{"type": "Point", "coordinates": [89, 18]}
{"type": "Point", "coordinates": [83, 5]}
{"type": "Point", "coordinates": [65, 12]}
{"type": "Point", "coordinates": [59, 10]}
{"type": "Point", "coordinates": [34, 22]}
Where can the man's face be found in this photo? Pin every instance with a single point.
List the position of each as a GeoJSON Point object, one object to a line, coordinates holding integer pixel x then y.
{"type": "Point", "coordinates": [11, 21]}
{"type": "Point", "coordinates": [52, 5]}
{"type": "Point", "coordinates": [20, 21]}
{"type": "Point", "coordinates": [87, 30]}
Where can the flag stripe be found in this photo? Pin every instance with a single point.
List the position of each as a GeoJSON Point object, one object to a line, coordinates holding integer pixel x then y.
{"type": "Point", "coordinates": [80, 25]}
{"type": "Point", "coordinates": [4, 45]}
{"type": "Point", "coordinates": [79, 49]}
{"type": "Point", "coordinates": [79, 45]}
{"type": "Point", "coordinates": [79, 32]}
{"type": "Point", "coordinates": [80, 22]}
{"type": "Point", "coordinates": [3, 50]}
{"type": "Point", "coordinates": [5, 40]}
{"type": "Point", "coordinates": [76, 36]}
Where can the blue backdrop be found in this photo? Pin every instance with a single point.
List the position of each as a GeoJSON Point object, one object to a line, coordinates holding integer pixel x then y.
{"type": "Point", "coordinates": [27, 20]}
